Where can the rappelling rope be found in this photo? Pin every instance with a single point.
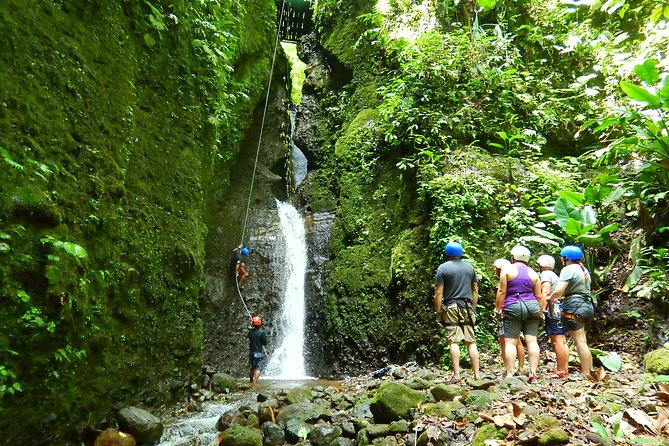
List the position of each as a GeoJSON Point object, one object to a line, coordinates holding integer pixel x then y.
{"type": "Point", "coordinates": [264, 114]}
{"type": "Point", "coordinates": [262, 128]}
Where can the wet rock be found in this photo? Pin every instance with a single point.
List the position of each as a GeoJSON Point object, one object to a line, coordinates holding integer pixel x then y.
{"type": "Point", "coordinates": [362, 409]}
{"type": "Point", "coordinates": [597, 439]}
{"type": "Point", "coordinates": [362, 439]}
{"type": "Point", "coordinates": [113, 437]}
{"type": "Point", "coordinates": [394, 401]}
{"type": "Point", "coordinates": [553, 437]}
{"type": "Point", "coordinates": [305, 411]}
{"type": "Point", "coordinates": [482, 384]}
{"type": "Point", "coordinates": [273, 434]}
{"type": "Point", "coordinates": [385, 441]}
{"type": "Point", "coordinates": [323, 435]}
{"type": "Point", "coordinates": [657, 361]}
{"type": "Point", "coordinates": [268, 410]}
{"type": "Point", "coordinates": [348, 429]}
{"type": "Point", "coordinates": [446, 392]}
{"type": "Point", "coordinates": [139, 423]}
{"type": "Point", "coordinates": [361, 423]}
{"type": "Point", "coordinates": [298, 395]}
{"type": "Point", "coordinates": [544, 421]}
{"type": "Point", "coordinates": [237, 435]}
{"type": "Point", "coordinates": [341, 441]}
{"type": "Point", "coordinates": [226, 420]}
{"type": "Point", "coordinates": [297, 430]}
{"type": "Point", "coordinates": [485, 433]}
{"type": "Point", "coordinates": [223, 383]}
{"type": "Point", "coordinates": [513, 385]}
{"type": "Point", "coordinates": [253, 421]}
{"type": "Point", "coordinates": [398, 372]}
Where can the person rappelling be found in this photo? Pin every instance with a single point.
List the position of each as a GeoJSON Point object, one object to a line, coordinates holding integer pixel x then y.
{"type": "Point", "coordinates": [238, 265]}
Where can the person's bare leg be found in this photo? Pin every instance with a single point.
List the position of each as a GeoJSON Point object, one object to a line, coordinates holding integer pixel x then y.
{"type": "Point", "coordinates": [455, 359]}
{"type": "Point", "coordinates": [509, 356]}
{"type": "Point", "coordinates": [583, 350]}
{"type": "Point", "coordinates": [251, 373]}
{"type": "Point", "coordinates": [520, 353]}
{"type": "Point", "coordinates": [256, 376]}
{"type": "Point", "coordinates": [474, 356]}
{"type": "Point", "coordinates": [532, 353]}
{"type": "Point", "coordinates": [561, 350]}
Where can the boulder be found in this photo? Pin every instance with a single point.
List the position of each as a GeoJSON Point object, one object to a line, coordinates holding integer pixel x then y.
{"type": "Point", "coordinates": [237, 435]}
{"type": "Point", "coordinates": [298, 395]}
{"type": "Point", "coordinates": [442, 409]}
{"type": "Point", "coordinates": [305, 411]}
{"type": "Point", "coordinates": [394, 401]}
{"type": "Point", "coordinates": [273, 434]}
{"type": "Point", "coordinates": [227, 419]}
{"type": "Point", "coordinates": [361, 409]}
{"type": "Point", "coordinates": [554, 437]}
{"type": "Point", "coordinates": [297, 430]}
{"type": "Point", "coordinates": [113, 437]}
{"type": "Point", "coordinates": [447, 392]}
{"type": "Point", "coordinates": [484, 434]}
{"type": "Point", "coordinates": [146, 428]}
{"type": "Point", "coordinates": [223, 383]}
{"type": "Point", "coordinates": [348, 429]}
{"type": "Point", "coordinates": [385, 441]}
{"type": "Point", "coordinates": [399, 427]}
{"type": "Point", "coordinates": [657, 361]}
{"type": "Point", "coordinates": [378, 430]}
{"type": "Point", "coordinates": [322, 435]}
{"type": "Point", "coordinates": [417, 383]}
{"type": "Point", "coordinates": [341, 441]}
{"type": "Point", "coordinates": [362, 439]}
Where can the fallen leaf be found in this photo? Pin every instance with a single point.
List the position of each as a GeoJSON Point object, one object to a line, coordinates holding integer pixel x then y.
{"type": "Point", "coordinates": [641, 419]}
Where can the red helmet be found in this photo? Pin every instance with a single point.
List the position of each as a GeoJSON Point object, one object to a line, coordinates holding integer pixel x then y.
{"type": "Point", "coordinates": [255, 321]}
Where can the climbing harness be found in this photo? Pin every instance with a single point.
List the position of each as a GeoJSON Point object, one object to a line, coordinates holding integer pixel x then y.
{"type": "Point", "coordinates": [262, 128]}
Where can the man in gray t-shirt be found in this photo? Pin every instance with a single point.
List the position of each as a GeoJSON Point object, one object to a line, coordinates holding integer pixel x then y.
{"type": "Point", "coordinates": [455, 299]}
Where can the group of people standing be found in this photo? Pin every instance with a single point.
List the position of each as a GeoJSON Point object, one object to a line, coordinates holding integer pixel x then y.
{"type": "Point", "coordinates": [524, 299]}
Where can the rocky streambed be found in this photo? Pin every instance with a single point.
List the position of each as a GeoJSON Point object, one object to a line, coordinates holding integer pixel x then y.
{"type": "Point", "coordinates": [408, 405]}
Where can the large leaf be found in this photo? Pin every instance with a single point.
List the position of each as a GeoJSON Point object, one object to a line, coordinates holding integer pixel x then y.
{"type": "Point", "coordinates": [540, 240]}
{"type": "Point", "coordinates": [610, 360]}
{"type": "Point", "coordinates": [589, 216]}
{"type": "Point", "coordinates": [564, 210]}
{"type": "Point", "coordinates": [633, 278]}
{"type": "Point", "coordinates": [589, 240]}
{"type": "Point", "coordinates": [573, 197]}
{"type": "Point", "coordinates": [613, 196]}
{"type": "Point", "coordinates": [647, 72]}
{"type": "Point", "coordinates": [608, 228]}
{"type": "Point", "coordinates": [487, 4]}
{"type": "Point", "coordinates": [547, 234]}
{"type": "Point", "coordinates": [576, 228]}
{"type": "Point", "coordinates": [640, 94]}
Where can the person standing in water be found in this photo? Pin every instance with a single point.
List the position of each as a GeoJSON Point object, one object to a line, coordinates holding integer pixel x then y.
{"type": "Point", "coordinates": [257, 343]}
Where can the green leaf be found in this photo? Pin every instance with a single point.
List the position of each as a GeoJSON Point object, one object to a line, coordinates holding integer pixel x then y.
{"type": "Point", "coordinates": [589, 217]}
{"type": "Point", "coordinates": [589, 240]}
{"type": "Point", "coordinates": [564, 210]}
{"type": "Point", "coordinates": [547, 234]}
{"type": "Point", "coordinates": [487, 4]}
{"type": "Point", "coordinates": [608, 228]}
{"type": "Point", "coordinates": [612, 361]}
{"type": "Point", "coordinates": [613, 196]}
{"type": "Point", "coordinates": [640, 94]}
{"type": "Point", "coordinates": [601, 430]}
{"type": "Point", "coordinates": [647, 72]}
{"type": "Point", "coordinates": [574, 227]}
{"type": "Point", "coordinates": [540, 240]}
{"type": "Point", "coordinates": [664, 91]}
{"type": "Point", "coordinates": [573, 197]}
{"type": "Point", "coordinates": [633, 278]}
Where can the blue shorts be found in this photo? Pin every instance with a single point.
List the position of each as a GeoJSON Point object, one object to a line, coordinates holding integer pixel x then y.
{"type": "Point", "coordinates": [554, 326]}
{"type": "Point", "coordinates": [257, 361]}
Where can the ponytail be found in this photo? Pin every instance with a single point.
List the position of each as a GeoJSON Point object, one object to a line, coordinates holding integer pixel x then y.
{"type": "Point", "coordinates": [586, 274]}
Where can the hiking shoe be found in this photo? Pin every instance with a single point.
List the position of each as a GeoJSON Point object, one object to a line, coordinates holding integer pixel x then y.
{"type": "Point", "coordinates": [558, 374]}
{"type": "Point", "coordinates": [532, 379]}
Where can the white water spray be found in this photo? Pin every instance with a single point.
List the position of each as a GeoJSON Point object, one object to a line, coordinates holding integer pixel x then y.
{"type": "Point", "coordinates": [287, 361]}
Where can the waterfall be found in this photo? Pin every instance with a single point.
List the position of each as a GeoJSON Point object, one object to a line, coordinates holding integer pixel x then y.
{"type": "Point", "coordinates": [287, 361]}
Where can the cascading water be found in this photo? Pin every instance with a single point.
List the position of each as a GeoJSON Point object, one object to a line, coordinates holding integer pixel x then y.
{"type": "Point", "coordinates": [197, 429]}
{"type": "Point", "coordinates": [287, 361]}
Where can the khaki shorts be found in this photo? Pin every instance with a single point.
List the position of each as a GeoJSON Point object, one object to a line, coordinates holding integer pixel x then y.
{"type": "Point", "coordinates": [459, 324]}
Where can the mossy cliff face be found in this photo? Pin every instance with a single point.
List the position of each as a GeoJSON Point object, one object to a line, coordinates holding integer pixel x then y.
{"type": "Point", "coordinates": [115, 119]}
{"type": "Point", "coordinates": [402, 168]}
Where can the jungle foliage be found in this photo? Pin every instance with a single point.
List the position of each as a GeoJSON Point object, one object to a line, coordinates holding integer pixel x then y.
{"type": "Point", "coordinates": [534, 122]}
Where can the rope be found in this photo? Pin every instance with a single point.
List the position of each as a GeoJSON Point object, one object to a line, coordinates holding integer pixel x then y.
{"type": "Point", "coordinates": [262, 123]}
{"type": "Point", "coordinates": [262, 128]}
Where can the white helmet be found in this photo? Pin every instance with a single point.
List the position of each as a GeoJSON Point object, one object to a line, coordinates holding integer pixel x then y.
{"type": "Point", "coordinates": [501, 263]}
{"type": "Point", "coordinates": [546, 261]}
{"type": "Point", "coordinates": [520, 253]}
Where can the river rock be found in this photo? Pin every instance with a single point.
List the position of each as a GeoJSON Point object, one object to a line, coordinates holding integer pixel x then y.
{"type": "Point", "coordinates": [297, 430]}
{"type": "Point", "coordinates": [361, 409]}
{"type": "Point", "coordinates": [385, 441]}
{"type": "Point", "coordinates": [139, 423]}
{"type": "Point", "coordinates": [305, 411]}
{"type": "Point", "coordinates": [348, 429]}
{"type": "Point", "coordinates": [237, 435]}
{"type": "Point", "coordinates": [446, 392]}
{"type": "Point", "coordinates": [513, 385]}
{"type": "Point", "coordinates": [253, 421]}
{"type": "Point", "coordinates": [479, 399]}
{"type": "Point", "coordinates": [483, 434]}
{"type": "Point", "coordinates": [341, 441]}
{"type": "Point", "coordinates": [657, 361]}
{"type": "Point", "coordinates": [114, 437]}
{"type": "Point", "coordinates": [394, 401]}
{"type": "Point", "coordinates": [322, 435]}
{"type": "Point", "coordinates": [399, 427]}
{"type": "Point", "coordinates": [417, 383]}
{"type": "Point", "coordinates": [378, 430]}
{"type": "Point", "coordinates": [298, 395]}
{"type": "Point", "coordinates": [362, 439]}
{"type": "Point", "coordinates": [223, 383]}
{"type": "Point", "coordinates": [227, 419]}
{"type": "Point", "coordinates": [442, 409]}
{"type": "Point", "coordinates": [553, 437]}
{"type": "Point", "coordinates": [273, 434]}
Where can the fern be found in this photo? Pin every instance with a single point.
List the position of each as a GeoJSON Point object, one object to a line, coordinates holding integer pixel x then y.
{"type": "Point", "coordinates": [8, 159]}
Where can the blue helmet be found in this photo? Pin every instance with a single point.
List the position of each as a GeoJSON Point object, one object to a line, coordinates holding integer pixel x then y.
{"type": "Point", "coordinates": [244, 251]}
{"type": "Point", "coordinates": [572, 252]}
{"type": "Point", "coordinates": [453, 249]}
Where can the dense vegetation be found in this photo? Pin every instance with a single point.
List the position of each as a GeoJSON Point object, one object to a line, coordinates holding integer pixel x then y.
{"type": "Point", "coordinates": [494, 123]}
{"type": "Point", "coordinates": [114, 118]}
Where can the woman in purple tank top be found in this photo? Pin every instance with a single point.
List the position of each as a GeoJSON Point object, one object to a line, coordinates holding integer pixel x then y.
{"type": "Point", "coordinates": [519, 298]}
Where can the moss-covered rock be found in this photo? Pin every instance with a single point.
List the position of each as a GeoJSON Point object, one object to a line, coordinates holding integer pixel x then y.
{"type": "Point", "coordinates": [544, 421]}
{"type": "Point", "coordinates": [222, 382]}
{"type": "Point", "coordinates": [394, 401]}
{"type": "Point", "coordinates": [304, 411]}
{"type": "Point", "coordinates": [553, 437]}
{"type": "Point", "coordinates": [446, 392]}
{"type": "Point", "coordinates": [657, 361]}
{"type": "Point", "coordinates": [298, 395]}
{"type": "Point", "coordinates": [443, 409]}
{"type": "Point", "coordinates": [484, 433]}
{"type": "Point", "coordinates": [237, 435]}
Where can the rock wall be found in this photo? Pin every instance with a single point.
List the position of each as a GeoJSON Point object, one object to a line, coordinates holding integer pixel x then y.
{"type": "Point", "coordinates": [118, 125]}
